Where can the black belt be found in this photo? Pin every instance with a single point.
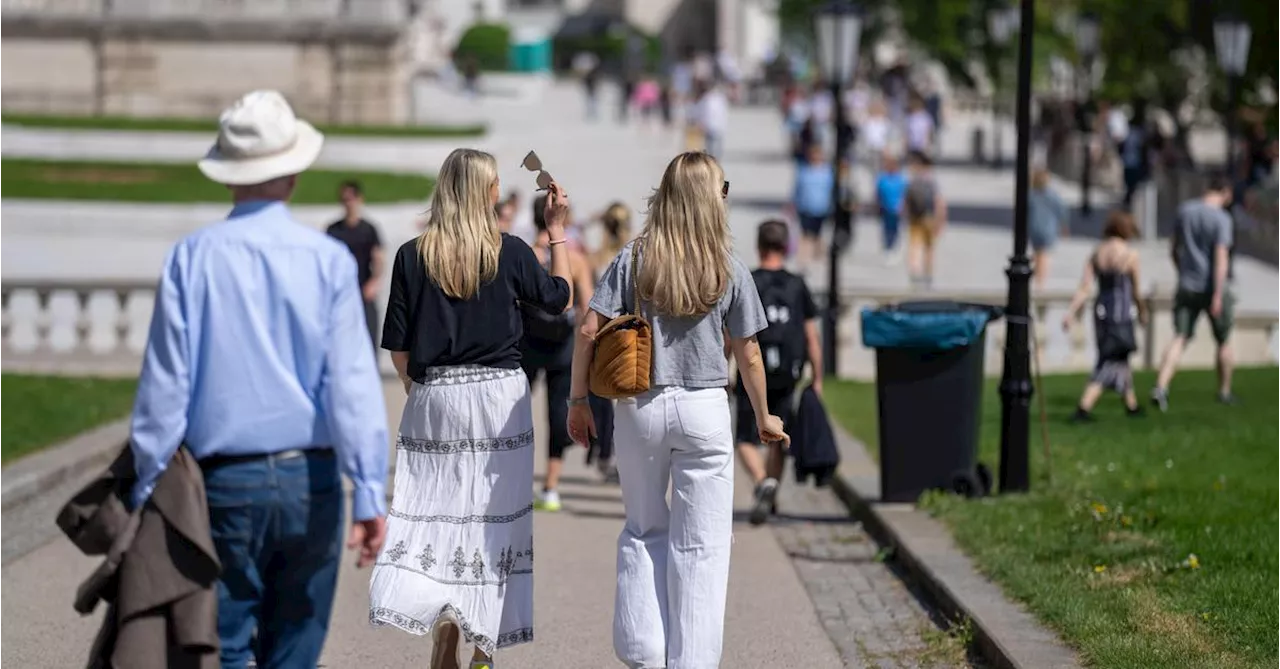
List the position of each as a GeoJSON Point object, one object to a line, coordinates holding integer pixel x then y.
{"type": "Point", "coordinates": [214, 461]}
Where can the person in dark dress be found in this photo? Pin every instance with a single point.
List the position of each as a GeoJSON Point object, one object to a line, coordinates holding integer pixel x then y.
{"type": "Point", "coordinates": [361, 236]}
{"type": "Point", "coordinates": [1117, 306]}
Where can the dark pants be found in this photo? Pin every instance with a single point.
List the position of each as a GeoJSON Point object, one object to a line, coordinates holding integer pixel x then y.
{"type": "Point", "coordinates": [371, 321]}
{"type": "Point", "coordinates": [602, 411]}
{"type": "Point", "coordinates": [556, 360]}
{"type": "Point", "coordinates": [276, 523]}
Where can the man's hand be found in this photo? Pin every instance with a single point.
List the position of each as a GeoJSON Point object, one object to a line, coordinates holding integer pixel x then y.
{"type": "Point", "coordinates": [408, 384]}
{"type": "Point", "coordinates": [367, 537]}
{"type": "Point", "coordinates": [369, 291]}
{"type": "Point", "coordinates": [817, 386]}
{"type": "Point", "coordinates": [1215, 306]}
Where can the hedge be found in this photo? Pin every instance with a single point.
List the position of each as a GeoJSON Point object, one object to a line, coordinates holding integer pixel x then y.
{"type": "Point", "coordinates": [488, 43]}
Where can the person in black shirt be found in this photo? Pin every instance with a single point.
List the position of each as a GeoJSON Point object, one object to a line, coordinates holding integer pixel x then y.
{"type": "Point", "coordinates": [362, 238]}
{"type": "Point", "coordinates": [460, 530]}
{"type": "Point", "coordinates": [787, 344]}
{"type": "Point", "coordinates": [547, 348]}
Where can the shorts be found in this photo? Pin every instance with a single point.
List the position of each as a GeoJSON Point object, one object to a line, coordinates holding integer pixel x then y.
{"type": "Point", "coordinates": [922, 232]}
{"type": "Point", "coordinates": [745, 430]}
{"type": "Point", "coordinates": [1187, 306]}
{"type": "Point", "coordinates": [1113, 375]}
{"type": "Point", "coordinates": [811, 226]}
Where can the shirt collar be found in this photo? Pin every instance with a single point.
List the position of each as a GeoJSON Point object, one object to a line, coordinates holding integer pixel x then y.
{"type": "Point", "coordinates": [251, 207]}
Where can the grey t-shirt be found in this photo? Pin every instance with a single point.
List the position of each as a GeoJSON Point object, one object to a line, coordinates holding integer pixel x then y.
{"type": "Point", "coordinates": [688, 351]}
{"type": "Point", "coordinates": [1199, 228]}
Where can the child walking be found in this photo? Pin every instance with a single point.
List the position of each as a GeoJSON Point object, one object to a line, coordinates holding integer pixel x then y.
{"type": "Point", "coordinates": [926, 216]}
{"type": "Point", "coordinates": [1114, 266]}
{"type": "Point", "coordinates": [786, 344]}
{"type": "Point", "coordinates": [891, 190]}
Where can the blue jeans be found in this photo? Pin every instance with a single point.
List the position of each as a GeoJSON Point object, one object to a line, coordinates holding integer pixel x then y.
{"type": "Point", "coordinates": [277, 526]}
{"type": "Point", "coordinates": [890, 220]}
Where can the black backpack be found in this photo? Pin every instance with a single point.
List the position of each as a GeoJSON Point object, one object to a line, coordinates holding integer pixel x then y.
{"type": "Point", "coordinates": [782, 344]}
{"type": "Point", "coordinates": [920, 197]}
{"type": "Point", "coordinates": [546, 328]}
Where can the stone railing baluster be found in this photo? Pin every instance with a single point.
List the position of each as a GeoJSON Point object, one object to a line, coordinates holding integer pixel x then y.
{"type": "Point", "coordinates": [83, 319]}
{"type": "Point", "coordinates": [122, 321]}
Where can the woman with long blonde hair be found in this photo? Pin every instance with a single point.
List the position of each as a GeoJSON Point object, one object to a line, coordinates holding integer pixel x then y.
{"type": "Point", "coordinates": [458, 559]}
{"type": "Point", "coordinates": [673, 562]}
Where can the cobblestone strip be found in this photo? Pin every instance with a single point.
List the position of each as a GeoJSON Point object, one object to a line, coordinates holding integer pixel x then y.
{"type": "Point", "coordinates": [870, 615]}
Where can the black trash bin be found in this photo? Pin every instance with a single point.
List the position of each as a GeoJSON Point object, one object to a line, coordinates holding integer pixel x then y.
{"type": "Point", "coordinates": [929, 371]}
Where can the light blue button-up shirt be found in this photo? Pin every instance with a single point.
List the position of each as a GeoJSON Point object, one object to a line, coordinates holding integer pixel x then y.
{"type": "Point", "coordinates": [258, 345]}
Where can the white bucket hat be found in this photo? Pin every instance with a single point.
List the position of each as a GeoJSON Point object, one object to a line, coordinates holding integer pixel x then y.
{"type": "Point", "coordinates": [260, 139]}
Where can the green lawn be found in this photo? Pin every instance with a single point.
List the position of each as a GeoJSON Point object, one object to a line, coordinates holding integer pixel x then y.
{"type": "Point", "coordinates": [211, 126]}
{"type": "Point", "coordinates": [1155, 544]}
{"type": "Point", "coordinates": [43, 410]}
{"type": "Point", "coordinates": [183, 182]}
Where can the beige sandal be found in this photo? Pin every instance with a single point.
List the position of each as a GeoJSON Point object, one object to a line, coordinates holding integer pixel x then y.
{"type": "Point", "coordinates": [444, 648]}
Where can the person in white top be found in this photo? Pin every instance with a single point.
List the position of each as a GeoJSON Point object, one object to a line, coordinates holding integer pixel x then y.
{"type": "Point", "coordinates": [875, 133]}
{"type": "Point", "coordinates": [712, 112]}
{"type": "Point", "coordinates": [919, 127]}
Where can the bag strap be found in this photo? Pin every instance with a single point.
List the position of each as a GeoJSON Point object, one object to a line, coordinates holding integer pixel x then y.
{"type": "Point", "coordinates": [635, 278]}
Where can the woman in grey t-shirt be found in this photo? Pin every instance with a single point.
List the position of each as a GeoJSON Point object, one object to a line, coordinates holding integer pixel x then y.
{"type": "Point", "coordinates": [673, 562]}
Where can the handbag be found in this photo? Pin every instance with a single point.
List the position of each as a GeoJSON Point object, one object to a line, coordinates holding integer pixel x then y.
{"type": "Point", "coordinates": [623, 360]}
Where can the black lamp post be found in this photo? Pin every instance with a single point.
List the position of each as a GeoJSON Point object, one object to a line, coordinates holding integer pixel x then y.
{"type": "Point", "coordinates": [1231, 37]}
{"type": "Point", "coordinates": [1087, 48]}
{"type": "Point", "coordinates": [1015, 384]}
{"type": "Point", "coordinates": [839, 27]}
{"type": "Point", "coordinates": [1002, 22]}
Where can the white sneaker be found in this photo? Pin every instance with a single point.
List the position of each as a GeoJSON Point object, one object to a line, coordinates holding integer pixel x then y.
{"type": "Point", "coordinates": [549, 500]}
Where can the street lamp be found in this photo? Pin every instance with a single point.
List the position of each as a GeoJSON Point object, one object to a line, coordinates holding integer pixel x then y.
{"type": "Point", "coordinates": [1231, 37]}
{"type": "Point", "coordinates": [1015, 383]}
{"type": "Point", "coordinates": [1002, 22]}
{"type": "Point", "coordinates": [838, 25]}
{"type": "Point", "coordinates": [1087, 48]}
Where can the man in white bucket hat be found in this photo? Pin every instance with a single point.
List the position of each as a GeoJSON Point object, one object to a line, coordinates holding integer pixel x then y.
{"type": "Point", "coordinates": [259, 361]}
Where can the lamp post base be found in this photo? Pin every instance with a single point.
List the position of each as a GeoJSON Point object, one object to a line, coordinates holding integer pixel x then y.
{"type": "Point", "coordinates": [1016, 387]}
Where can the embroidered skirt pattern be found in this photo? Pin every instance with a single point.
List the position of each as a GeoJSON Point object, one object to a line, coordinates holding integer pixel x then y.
{"type": "Point", "coordinates": [460, 530]}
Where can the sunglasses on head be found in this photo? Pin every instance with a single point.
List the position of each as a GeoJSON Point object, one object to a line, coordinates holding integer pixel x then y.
{"type": "Point", "coordinates": [533, 163]}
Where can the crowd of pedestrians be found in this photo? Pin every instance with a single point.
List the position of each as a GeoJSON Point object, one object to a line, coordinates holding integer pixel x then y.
{"type": "Point", "coordinates": [895, 125]}
{"type": "Point", "coordinates": [280, 394]}
{"type": "Point", "coordinates": [260, 369]}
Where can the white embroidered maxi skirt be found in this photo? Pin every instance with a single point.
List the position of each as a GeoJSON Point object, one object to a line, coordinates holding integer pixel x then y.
{"type": "Point", "coordinates": [460, 530]}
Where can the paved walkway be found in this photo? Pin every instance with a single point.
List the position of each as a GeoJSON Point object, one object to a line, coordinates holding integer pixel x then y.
{"type": "Point", "coordinates": [805, 593]}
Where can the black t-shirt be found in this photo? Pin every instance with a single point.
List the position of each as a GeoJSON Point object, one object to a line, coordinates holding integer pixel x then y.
{"type": "Point", "coordinates": [438, 330]}
{"type": "Point", "coordinates": [362, 238]}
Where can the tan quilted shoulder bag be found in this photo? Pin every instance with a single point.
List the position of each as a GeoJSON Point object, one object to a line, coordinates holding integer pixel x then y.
{"type": "Point", "coordinates": [624, 348]}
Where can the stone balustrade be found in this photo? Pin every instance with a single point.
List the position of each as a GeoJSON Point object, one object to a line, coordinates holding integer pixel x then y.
{"type": "Point", "coordinates": [90, 327]}
{"type": "Point", "coordinates": [100, 327]}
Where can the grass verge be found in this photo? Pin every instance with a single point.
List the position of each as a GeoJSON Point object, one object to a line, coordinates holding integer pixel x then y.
{"type": "Point", "coordinates": [177, 182]}
{"type": "Point", "coordinates": [1153, 544]}
{"type": "Point", "coordinates": [211, 126]}
{"type": "Point", "coordinates": [40, 411]}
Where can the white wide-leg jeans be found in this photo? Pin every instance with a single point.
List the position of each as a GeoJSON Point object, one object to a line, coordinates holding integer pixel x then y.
{"type": "Point", "coordinates": [673, 561]}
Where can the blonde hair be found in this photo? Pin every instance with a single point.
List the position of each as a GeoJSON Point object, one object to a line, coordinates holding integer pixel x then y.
{"type": "Point", "coordinates": [684, 267]}
{"type": "Point", "coordinates": [460, 242]}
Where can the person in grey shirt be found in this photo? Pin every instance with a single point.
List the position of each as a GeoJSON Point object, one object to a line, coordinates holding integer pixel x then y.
{"type": "Point", "coordinates": [673, 561]}
{"type": "Point", "coordinates": [1202, 240]}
